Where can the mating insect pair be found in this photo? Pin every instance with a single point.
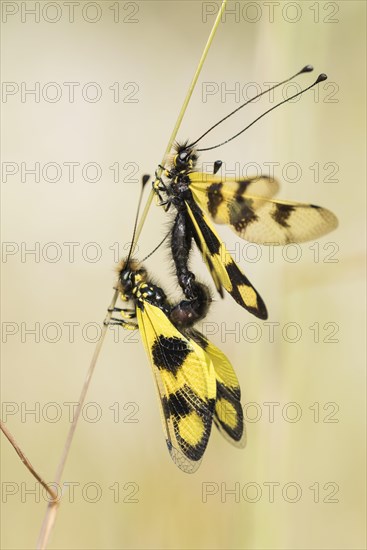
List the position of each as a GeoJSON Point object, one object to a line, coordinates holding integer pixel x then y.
{"type": "Point", "coordinates": [245, 204]}
{"type": "Point", "coordinates": [196, 383]}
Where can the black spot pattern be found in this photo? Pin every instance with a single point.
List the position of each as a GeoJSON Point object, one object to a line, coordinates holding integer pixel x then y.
{"type": "Point", "coordinates": [238, 278]}
{"type": "Point", "coordinates": [176, 405]}
{"type": "Point", "coordinates": [182, 403]}
{"type": "Point", "coordinates": [242, 186]}
{"type": "Point", "coordinates": [282, 213]}
{"type": "Point", "coordinates": [244, 214]}
{"type": "Point", "coordinates": [215, 198]}
{"type": "Point", "coordinates": [220, 420]}
{"type": "Point", "coordinates": [169, 353]}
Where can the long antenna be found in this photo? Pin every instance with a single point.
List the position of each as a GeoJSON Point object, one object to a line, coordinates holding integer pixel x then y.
{"type": "Point", "coordinates": [156, 248]}
{"type": "Point", "coordinates": [320, 78]}
{"type": "Point", "coordinates": [181, 115]}
{"type": "Point", "coordinates": [306, 69]}
{"type": "Point", "coordinates": [51, 512]}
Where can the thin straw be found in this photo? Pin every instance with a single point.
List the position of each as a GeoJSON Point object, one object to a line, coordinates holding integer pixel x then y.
{"type": "Point", "coordinates": [51, 512]}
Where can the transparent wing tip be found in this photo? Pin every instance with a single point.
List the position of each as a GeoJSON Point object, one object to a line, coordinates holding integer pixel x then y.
{"type": "Point", "coordinates": [185, 464]}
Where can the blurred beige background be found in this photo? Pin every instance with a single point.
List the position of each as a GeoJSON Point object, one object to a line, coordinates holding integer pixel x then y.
{"type": "Point", "coordinates": [298, 484]}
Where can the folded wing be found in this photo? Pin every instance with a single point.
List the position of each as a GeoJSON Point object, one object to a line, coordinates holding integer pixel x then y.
{"type": "Point", "coordinates": [228, 413]}
{"type": "Point", "coordinates": [223, 269]}
{"type": "Point", "coordinates": [186, 385]}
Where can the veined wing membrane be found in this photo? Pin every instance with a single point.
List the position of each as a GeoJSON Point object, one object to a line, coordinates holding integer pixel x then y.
{"type": "Point", "coordinates": [228, 414]}
{"type": "Point", "coordinates": [262, 220]}
{"type": "Point", "coordinates": [186, 385]}
{"type": "Point", "coordinates": [222, 267]}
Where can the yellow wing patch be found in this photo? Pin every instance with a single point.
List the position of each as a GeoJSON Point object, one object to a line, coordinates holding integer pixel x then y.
{"type": "Point", "coordinates": [228, 414]}
{"type": "Point", "coordinates": [262, 186]}
{"type": "Point", "coordinates": [214, 261]}
{"type": "Point", "coordinates": [246, 206]}
{"type": "Point", "coordinates": [222, 267]}
{"type": "Point", "coordinates": [186, 385]}
{"type": "Point", "coordinates": [185, 424]}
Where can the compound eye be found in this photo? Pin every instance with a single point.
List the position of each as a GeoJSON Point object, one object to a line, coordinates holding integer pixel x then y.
{"type": "Point", "coordinates": [126, 280]}
{"type": "Point", "coordinates": [183, 156]}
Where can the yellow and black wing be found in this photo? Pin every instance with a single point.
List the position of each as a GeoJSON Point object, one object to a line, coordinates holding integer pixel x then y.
{"type": "Point", "coordinates": [246, 206]}
{"type": "Point", "coordinates": [228, 414]}
{"type": "Point", "coordinates": [223, 269]}
{"type": "Point", "coordinates": [186, 384]}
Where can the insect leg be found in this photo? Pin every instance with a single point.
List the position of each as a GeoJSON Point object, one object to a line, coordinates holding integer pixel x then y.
{"type": "Point", "coordinates": [127, 325]}
{"type": "Point", "coordinates": [126, 313]}
{"type": "Point", "coordinates": [158, 185]}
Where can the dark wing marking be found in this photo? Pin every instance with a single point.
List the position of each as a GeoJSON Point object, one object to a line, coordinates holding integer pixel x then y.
{"type": "Point", "coordinates": [260, 219]}
{"type": "Point", "coordinates": [212, 193]}
{"type": "Point", "coordinates": [228, 414]}
{"type": "Point", "coordinates": [186, 386]}
{"type": "Point", "coordinates": [222, 267]}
